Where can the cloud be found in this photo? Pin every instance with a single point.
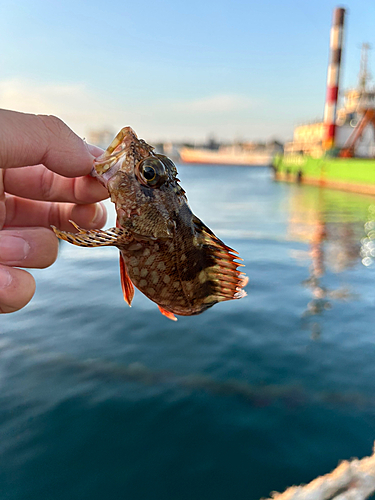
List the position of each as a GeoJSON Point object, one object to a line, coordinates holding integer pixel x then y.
{"type": "Point", "coordinates": [220, 103]}
{"type": "Point", "coordinates": [75, 103]}
{"type": "Point", "coordinates": [85, 109]}
{"type": "Point", "coordinates": [31, 97]}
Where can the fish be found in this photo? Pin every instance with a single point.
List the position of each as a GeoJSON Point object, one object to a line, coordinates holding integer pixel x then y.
{"type": "Point", "coordinates": [166, 252]}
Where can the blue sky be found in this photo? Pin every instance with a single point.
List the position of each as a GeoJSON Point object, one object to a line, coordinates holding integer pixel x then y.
{"type": "Point", "coordinates": [175, 69]}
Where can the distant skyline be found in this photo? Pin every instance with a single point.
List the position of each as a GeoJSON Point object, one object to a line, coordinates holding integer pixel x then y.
{"type": "Point", "coordinates": [177, 70]}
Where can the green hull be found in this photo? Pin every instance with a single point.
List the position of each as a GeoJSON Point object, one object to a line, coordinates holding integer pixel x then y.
{"type": "Point", "coordinates": [351, 174]}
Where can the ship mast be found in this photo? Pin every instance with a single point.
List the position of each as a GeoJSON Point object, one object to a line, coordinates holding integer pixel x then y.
{"type": "Point", "coordinates": [364, 76]}
{"type": "Point", "coordinates": [365, 106]}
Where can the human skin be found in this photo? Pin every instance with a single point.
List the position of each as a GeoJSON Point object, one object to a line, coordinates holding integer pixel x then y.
{"type": "Point", "coordinates": [44, 181]}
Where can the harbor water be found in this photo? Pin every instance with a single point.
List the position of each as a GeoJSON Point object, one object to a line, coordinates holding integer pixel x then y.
{"type": "Point", "coordinates": [102, 401]}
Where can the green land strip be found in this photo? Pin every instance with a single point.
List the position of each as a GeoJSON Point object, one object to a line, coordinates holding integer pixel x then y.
{"type": "Point", "coordinates": [351, 170]}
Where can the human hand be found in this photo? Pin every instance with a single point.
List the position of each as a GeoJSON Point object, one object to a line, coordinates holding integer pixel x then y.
{"type": "Point", "coordinates": [44, 181]}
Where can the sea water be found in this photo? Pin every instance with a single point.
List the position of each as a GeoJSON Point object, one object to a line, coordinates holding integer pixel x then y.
{"type": "Point", "coordinates": [102, 401]}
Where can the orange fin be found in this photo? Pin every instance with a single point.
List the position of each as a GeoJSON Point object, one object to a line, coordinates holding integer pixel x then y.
{"type": "Point", "coordinates": [126, 284]}
{"type": "Point", "coordinates": [168, 314]}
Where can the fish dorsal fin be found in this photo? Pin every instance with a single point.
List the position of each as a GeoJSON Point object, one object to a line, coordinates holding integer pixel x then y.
{"type": "Point", "coordinates": [126, 284]}
{"type": "Point", "coordinates": [168, 314]}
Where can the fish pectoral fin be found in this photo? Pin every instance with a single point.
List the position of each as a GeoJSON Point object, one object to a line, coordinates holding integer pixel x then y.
{"type": "Point", "coordinates": [95, 237]}
{"type": "Point", "coordinates": [168, 314]}
{"type": "Point", "coordinates": [126, 284]}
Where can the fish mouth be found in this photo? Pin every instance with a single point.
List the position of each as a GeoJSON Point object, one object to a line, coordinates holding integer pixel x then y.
{"type": "Point", "coordinates": [105, 171]}
{"type": "Point", "coordinates": [105, 166]}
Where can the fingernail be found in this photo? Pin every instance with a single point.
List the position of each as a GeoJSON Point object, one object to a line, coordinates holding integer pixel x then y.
{"type": "Point", "coordinates": [99, 212]}
{"type": "Point", "coordinates": [5, 278]}
{"type": "Point", "coordinates": [13, 248]}
{"type": "Point", "coordinates": [94, 151]}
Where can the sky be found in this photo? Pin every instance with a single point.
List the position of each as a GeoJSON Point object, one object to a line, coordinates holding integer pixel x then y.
{"type": "Point", "coordinates": [177, 70]}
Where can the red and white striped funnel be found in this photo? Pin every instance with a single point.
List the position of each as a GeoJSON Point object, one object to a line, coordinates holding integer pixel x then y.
{"type": "Point", "coordinates": [333, 77]}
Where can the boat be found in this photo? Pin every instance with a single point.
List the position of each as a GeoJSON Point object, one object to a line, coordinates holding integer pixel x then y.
{"type": "Point", "coordinates": [339, 151]}
{"type": "Point", "coordinates": [227, 155]}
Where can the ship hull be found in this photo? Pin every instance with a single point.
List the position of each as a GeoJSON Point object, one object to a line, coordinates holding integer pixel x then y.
{"type": "Point", "coordinates": [348, 174]}
{"type": "Point", "coordinates": [203, 156]}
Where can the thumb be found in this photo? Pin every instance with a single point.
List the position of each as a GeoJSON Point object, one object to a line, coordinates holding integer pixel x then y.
{"type": "Point", "coordinates": [16, 288]}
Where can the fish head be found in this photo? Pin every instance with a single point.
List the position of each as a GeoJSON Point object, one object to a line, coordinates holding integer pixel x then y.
{"type": "Point", "coordinates": [142, 184]}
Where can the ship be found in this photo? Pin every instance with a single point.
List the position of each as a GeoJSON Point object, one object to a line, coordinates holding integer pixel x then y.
{"type": "Point", "coordinates": [338, 152]}
{"type": "Point", "coordinates": [230, 155]}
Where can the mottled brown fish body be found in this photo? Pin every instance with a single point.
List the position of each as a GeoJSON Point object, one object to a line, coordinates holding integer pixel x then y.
{"type": "Point", "coordinates": [166, 251]}
{"type": "Point", "coordinates": [181, 274]}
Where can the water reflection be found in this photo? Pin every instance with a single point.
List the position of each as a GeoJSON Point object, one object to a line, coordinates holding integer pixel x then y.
{"type": "Point", "coordinates": [367, 243]}
{"type": "Point", "coordinates": [340, 230]}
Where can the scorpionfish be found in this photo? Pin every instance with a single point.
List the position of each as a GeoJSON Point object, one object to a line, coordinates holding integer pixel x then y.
{"type": "Point", "coordinates": [165, 250]}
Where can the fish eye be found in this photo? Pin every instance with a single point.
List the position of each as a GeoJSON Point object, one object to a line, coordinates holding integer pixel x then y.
{"type": "Point", "coordinates": [151, 172]}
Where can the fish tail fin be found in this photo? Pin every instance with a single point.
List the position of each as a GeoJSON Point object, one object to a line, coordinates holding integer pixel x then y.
{"type": "Point", "coordinates": [226, 280]}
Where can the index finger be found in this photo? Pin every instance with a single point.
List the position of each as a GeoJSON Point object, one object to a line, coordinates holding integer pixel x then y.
{"type": "Point", "coordinates": [39, 183]}
{"type": "Point", "coordinates": [27, 139]}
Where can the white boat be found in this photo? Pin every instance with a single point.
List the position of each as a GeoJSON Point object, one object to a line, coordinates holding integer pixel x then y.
{"type": "Point", "coordinates": [227, 155]}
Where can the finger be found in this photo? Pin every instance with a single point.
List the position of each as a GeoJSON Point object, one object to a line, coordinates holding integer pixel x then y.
{"type": "Point", "coordinates": [28, 139]}
{"type": "Point", "coordinates": [39, 183]}
{"type": "Point", "coordinates": [28, 247]}
{"type": "Point", "coordinates": [21, 212]}
{"type": "Point", "coordinates": [95, 150]}
{"type": "Point", "coordinates": [16, 288]}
